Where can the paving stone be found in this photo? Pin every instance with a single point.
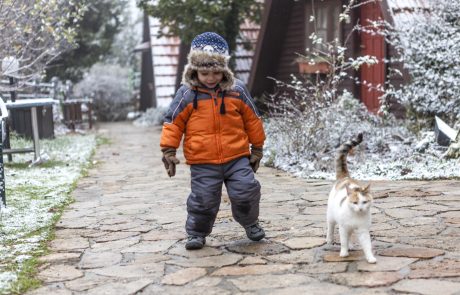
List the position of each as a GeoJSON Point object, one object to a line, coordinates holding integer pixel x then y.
{"type": "Point", "coordinates": [335, 257]}
{"type": "Point", "coordinates": [207, 282]}
{"type": "Point", "coordinates": [263, 247]}
{"type": "Point", "coordinates": [179, 249]}
{"type": "Point", "coordinates": [406, 213]}
{"type": "Point", "coordinates": [434, 268]}
{"type": "Point", "coordinates": [252, 260]}
{"type": "Point", "coordinates": [150, 247]}
{"type": "Point", "coordinates": [421, 220]}
{"type": "Point", "coordinates": [148, 257]}
{"type": "Point", "coordinates": [131, 271]}
{"type": "Point", "coordinates": [59, 273]}
{"type": "Point", "coordinates": [385, 264]}
{"type": "Point", "coordinates": [77, 223]}
{"type": "Point", "coordinates": [251, 270]}
{"type": "Point", "coordinates": [312, 289]}
{"type": "Point", "coordinates": [155, 235]}
{"type": "Point", "coordinates": [212, 261]}
{"type": "Point", "coordinates": [183, 276]}
{"type": "Point", "coordinates": [113, 236]}
{"type": "Point", "coordinates": [99, 259]}
{"type": "Point", "coordinates": [324, 268]}
{"type": "Point", "coordinates": [294, 257]}
{"type": "Point", "coordinates": [115, 245]}
{"type": "Point", "coordinates": [427, 287]}
{"type": "Point", "coordinates": [412, 252]}
{"type": "Point", "coordinates": [61, 258]}
{"type": "Point", "coordinates": [366, 279]}
{"type": "Point", "coordinates": [87, 282]}
{"type": "Point", "coordinates": [46, 290]}
{"type": "Point", "coordinates": [252, 283]}
{"type": "Point", "coordinates": [75, 244]}
{"type": "Point", "coordinates": [120, 287]}
{"type": "Point", "coordinates": [304, 242]}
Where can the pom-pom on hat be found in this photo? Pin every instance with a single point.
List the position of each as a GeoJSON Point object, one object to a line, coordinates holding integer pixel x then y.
{"type": "Point", "coordinates": [209, 52]}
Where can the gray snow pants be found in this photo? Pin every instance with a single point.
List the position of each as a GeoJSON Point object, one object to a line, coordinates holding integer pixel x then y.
{"type": "Point", "coordinates": [204, 200]}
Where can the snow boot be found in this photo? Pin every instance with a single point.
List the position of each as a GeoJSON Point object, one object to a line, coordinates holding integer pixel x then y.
{"type": "Point", "coordinates": [255, 232]}
{"type": "Point", "coordinates": [195, 242]}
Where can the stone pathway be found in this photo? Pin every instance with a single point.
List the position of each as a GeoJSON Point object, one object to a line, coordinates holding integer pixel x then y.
{"type": "Point", "coordinates": [125, 235]}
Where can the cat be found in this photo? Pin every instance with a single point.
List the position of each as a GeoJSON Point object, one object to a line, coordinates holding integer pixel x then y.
{"type": "Point", "coordinates": [349, 206]}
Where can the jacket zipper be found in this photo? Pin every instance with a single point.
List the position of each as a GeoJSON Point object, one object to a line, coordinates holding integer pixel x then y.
{"type": "Point", "coordinates": [217, 125]}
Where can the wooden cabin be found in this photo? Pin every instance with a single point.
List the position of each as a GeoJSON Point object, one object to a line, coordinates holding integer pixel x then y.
{"type": "Point", "coordinates": [285, 29]}
{"type": "Point", "coordinates": [281, 36]}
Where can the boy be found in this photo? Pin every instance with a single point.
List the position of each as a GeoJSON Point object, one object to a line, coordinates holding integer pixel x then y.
{"type": "Point", "coordinates": [219, 120]}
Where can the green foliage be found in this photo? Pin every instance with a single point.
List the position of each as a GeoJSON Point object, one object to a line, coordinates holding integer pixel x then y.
{"type": "Point", "coordinates": [101, 22]}
{"type": "Point", "coordinates": [188, 18]}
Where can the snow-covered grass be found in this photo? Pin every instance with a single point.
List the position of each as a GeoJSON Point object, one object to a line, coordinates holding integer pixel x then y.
{"type": "Point", "coordinates": [35, 196]}
{"type": "Point", "coordinates": [306, 147]}
{"type": "Point", "coordinates": [400, 162]}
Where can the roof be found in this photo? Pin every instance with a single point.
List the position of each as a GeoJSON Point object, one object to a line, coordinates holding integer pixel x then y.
{"type": "Point", "coordinates": [165, 56]}
{"type": "Point", "coordinates": [403, 11]}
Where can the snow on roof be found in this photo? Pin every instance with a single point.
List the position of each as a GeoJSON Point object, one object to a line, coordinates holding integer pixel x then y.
{"type": "Point", "coordinates": [165, 56]}
{"type": "Point", "coordinates": [404, 11]}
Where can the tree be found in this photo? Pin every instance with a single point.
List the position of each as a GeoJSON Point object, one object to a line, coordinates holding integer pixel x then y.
{"type": "Point", "coordinates": [188, 18]}
{"type": "Point", "coordinates": [100, 23]}
{"type": "Point", "coordinates": [34, 33]}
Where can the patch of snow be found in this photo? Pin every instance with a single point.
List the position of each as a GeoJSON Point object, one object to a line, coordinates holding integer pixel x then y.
{"type": "Point", "coordinates": [151, 117]}
{"type": "Point", "coordinates": [31, 194]}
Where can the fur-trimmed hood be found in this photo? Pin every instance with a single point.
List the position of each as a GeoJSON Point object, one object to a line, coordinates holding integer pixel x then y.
{"type": "Point", "coordinates": [208, 61]}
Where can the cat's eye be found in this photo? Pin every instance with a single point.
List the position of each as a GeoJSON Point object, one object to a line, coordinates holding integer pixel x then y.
{"type": "Point", "coordinates": [364, 202]}
{"type": "Point", "coordinates": [356, 203]}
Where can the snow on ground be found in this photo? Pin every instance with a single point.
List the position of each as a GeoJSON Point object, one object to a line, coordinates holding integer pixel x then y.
{"type": "Point", "coordinates": [383, 155]}
{"type": "Point", "coordinates": [32, 193]}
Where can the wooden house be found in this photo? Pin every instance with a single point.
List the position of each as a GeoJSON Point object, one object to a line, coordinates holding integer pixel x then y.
{"type": "Point", "coordinates": [282, 35]}
{"type": "Point", "coordinates": [285, 29]}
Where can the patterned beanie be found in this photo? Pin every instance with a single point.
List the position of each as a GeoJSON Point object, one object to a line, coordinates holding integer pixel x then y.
{"type": "Point", "coordinates": [209, 52]}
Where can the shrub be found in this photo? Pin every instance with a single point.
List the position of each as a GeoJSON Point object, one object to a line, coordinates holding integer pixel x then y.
{"type": "Point", "coordinates": [108, 85]}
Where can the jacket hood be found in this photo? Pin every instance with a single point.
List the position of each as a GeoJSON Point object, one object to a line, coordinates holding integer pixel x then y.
{"type": "Point", "coordinates": [207, 61]}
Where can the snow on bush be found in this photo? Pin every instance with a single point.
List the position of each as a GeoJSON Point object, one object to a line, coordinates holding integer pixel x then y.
{"type": "Point", "coordinates": [151, 117]}
{"type": "Point", "coordinates": [429, 48]}
{"type": "Point", "coordinates": [108, 85]}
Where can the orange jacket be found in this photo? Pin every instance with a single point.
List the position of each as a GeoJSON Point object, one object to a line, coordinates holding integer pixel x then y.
{"type": "Point", "coordinates": [210, 136]}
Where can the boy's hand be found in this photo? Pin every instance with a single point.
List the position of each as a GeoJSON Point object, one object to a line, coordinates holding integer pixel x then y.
{"type": "Point", "coordinates": [169, 160]}
{"type": "Point", "coordinates": [256, 155]}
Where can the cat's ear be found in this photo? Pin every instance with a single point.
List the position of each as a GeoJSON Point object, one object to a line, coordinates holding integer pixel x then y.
{"type": "Point", "coordinates": [349, 191]}
{"type": "Point", "coordinates": [367, 189]}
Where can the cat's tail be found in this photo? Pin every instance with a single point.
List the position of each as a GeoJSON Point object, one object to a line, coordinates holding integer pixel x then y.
{"type": "Point", "coordinates": [341, 169]}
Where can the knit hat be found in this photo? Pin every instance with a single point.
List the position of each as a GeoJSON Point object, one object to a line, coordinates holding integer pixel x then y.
{"type": "Point", "coordinates": [209, 52]}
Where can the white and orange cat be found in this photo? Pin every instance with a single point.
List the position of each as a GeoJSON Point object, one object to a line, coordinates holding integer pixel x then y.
{"type": "Point", "coordinates": [349, 206]}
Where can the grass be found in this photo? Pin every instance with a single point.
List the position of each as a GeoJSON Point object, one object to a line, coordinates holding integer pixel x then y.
{"type": "Point", "coordinates": [36, 198]}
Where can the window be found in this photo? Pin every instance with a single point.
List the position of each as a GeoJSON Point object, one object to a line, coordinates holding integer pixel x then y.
{"type": "Point", "coordinates": [326, 23]}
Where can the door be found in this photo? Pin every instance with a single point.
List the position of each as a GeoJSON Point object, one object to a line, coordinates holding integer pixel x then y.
{"type": "Point", "coordinates": [374, 45]}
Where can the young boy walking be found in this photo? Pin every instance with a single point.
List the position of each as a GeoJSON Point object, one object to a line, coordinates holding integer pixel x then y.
{"type": "Point", "coordinates": [223, 140]}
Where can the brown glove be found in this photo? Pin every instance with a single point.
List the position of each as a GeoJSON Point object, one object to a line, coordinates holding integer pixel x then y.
{"type": "Point", "coordinates": [256, 155]}
{"type": "Point", "coordinates": [169, 160]}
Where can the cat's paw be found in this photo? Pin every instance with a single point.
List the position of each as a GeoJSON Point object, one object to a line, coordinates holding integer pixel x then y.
{"type": "Point", "coordinates": [343, 253]}
{"type": "Point", "coordinates": [329, 242]}
{"type": "Point", "coordinates": [372, 259]}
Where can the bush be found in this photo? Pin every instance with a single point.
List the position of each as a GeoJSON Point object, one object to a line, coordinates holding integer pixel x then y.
{"type": "Point", "coordinates": [429, 48]}
{"type": "Point", "coordinates": [108, 85]}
